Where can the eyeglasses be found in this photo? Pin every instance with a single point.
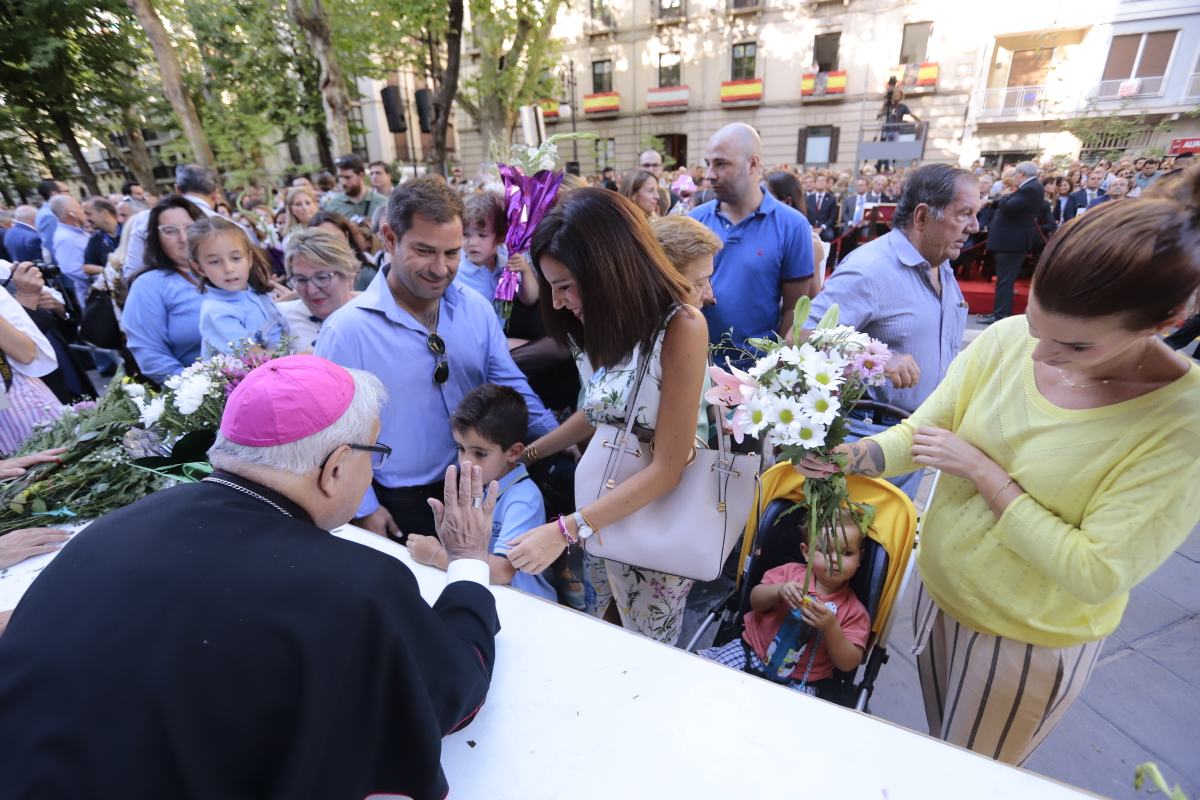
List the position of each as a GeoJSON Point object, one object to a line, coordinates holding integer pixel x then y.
{"type": "Point", "coordinates": [171, 231]}
{"type": "Point", "coordinates": [379, 454]}
{"type": "Point", "coordinates": [320, 280]}
{"type": "Point", "coordinates": [441, 370]}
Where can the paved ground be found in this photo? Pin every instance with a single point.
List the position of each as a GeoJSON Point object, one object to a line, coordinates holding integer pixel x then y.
{"type": "Point", "coordinates": [1142, 703]}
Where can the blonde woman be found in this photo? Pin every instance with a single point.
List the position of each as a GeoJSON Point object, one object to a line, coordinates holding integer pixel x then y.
{"type": "Point", "coordinates": [300, 205]}
{"type": "Point", "coordinates": [321, 268]}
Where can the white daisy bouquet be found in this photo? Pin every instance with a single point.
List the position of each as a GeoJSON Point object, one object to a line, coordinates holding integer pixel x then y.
{"type": "Point", "coordinates": [796, 398]}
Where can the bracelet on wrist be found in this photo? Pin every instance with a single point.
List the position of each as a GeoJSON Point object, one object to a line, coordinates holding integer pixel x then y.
{"type": "Point", "coordinates": [531, 453]}
{"type": "Point", "coordinates": [566, 534]}
{"type": "Point", "coordinates": [1006, 484]}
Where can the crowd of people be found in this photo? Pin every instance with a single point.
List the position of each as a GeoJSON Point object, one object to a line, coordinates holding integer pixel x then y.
{"type": "Point", "coordinates": [630, 286]}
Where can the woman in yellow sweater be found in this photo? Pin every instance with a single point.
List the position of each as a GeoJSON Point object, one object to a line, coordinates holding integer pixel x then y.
{"type": "Point", "coordinates": [1069, 442]}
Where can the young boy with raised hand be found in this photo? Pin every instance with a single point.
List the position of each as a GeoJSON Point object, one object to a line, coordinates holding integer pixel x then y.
{"type": "Point", "coordinates": [484, 256]}
{"type": "Point", "coordinates": [839, 620]}
{"type": "Point", "coordinates": [489, 428]}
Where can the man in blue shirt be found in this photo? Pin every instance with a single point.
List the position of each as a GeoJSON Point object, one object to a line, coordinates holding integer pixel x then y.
{"type": "Point", "coordinates": [900, 289]}
{"type": "Point", "coordinates": [47, 222]}
{"type": "Point", "coordinates": [766, 262]}
{"type": "Point", "coordinates": [430, 343]}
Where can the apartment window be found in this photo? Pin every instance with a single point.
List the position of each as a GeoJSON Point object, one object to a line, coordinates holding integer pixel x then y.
{"type": "Point", "coordinates": [606, 154]}
{"type": "Point", "coordinates": [818, 145]}
{"type": "Point", "coordinates": [744, 56]}
{"type": "Point", "coordinates": [669, 69]}
{"type": "Point", "coordinates": [670, 9]}
{"type": "Point", "coordinates": [1139, 55]}
{"type": "Point", "coordinates": [915, 43]}
{"type": "Point", "coordinates": [602, 14]}
{"type": "Point", "coordinates": [825, 52]}
{"type": "Point", "coordinates": [601, 77]}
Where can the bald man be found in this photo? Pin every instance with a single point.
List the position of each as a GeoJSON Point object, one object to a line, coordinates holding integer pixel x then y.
{"type": "Point", "coordinates": [70, 242]}
{"type": "Point", "coordinates": [22, 240]}
{"type": "Point", "coordinates": [766, 261]}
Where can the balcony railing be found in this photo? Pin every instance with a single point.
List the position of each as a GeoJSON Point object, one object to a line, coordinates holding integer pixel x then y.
{"type": "Point", "coordinates": [745, 6]}
{"type": "Point", "coordinates": [1193, 88]}
{"type": "Point", "coordinates": [665, 99]}
{"type": "Point", "coordinates": [1132, 87]}
{"type": "Point", "coordinates": [602, 103]}
{"type": "Point", "coordinates": [823, 85]}
{"type": "Point", "coordinates": [916, 78]}
{"type": "Point", "coordinates": [603, 22]}
{"type": "Point", "coordinates": [1013, 100]}
{"type": "Point", "coordinates": [901, 143]}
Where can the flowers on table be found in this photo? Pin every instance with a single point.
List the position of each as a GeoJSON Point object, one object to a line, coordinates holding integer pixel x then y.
{"type": "Point", "coordinates": [796, 398]}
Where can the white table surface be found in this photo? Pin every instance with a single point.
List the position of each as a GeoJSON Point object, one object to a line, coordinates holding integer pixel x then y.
{"type": "Point", "coordinates": [582, 710]}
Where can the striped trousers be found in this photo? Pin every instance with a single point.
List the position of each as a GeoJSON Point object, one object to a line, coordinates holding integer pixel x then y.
{"type": "Point", "coordinates": [998, 697]}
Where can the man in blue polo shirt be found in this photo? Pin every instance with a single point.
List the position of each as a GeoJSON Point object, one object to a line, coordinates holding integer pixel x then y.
{"type": "Point", "coordinates": [766, 263]}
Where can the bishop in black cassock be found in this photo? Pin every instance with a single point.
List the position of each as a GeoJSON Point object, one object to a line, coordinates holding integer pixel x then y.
{"type": "Point", "coordinates": [215, 641]}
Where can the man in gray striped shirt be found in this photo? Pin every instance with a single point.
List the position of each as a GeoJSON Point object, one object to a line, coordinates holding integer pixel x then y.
{"type": "Point", "coordinates": [900, 289]}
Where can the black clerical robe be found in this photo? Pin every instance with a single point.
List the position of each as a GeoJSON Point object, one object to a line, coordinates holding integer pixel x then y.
{"type": "Point", "coordinates": [203, 644]}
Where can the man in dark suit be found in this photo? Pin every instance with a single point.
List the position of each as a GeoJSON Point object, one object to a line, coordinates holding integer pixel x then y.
{"type": "Point", "coordinates": [1011, 234]}
{"type": "Point", "coordinates": [1088, 193]}
{"type": "Point", "coordinates": [822, 209]}
{"type": "Point", "coordinates": [214, 640]}
{"type": "Point", "coordinates": [22, 240]}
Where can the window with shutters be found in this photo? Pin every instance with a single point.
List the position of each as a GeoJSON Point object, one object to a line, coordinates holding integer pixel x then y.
{"type": "Point", "coordinates": [601, 77]}
{"type": "Point", "coordinates": [606, 154]}
{"type": "Point", "coordinates": [825, 51]}
{"type": "Point", "coordinates": [1137, 64]}
{"type": "Point", "coordinates": [914, 45]}
{"type": "Point", "coordinates": [669, 69]}
{"type": "Point", "coordinates": [744, 56]}
{"type": "Point", "coordinates": [818, 145]}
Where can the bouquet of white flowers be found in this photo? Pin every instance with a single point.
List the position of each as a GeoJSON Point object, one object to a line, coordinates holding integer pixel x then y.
{"type": "Point", "coordinates": [796, 398]}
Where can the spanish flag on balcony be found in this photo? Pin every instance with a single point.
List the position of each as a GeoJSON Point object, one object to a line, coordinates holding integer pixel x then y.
{"type": "Point", "coordinates": [916, 75]}
{"type": "Point", "coordinates": [601, 103]}
{"type": "Point", "coordinates": [741, 91]}
{"type": "Point", "coordinates": [820, 84]}
{"type": "Point", "coordinates": [549, 109]}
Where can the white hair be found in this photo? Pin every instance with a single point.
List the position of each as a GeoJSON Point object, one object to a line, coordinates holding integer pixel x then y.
{"type": "Point", "coordinates": [1027, 168]}
{"type": "Point", "coordinates": [26, 214]}
{"type": "Point", "coordinates": [355, 426]}
{"type": "Point", "coordinates": [61, 205]}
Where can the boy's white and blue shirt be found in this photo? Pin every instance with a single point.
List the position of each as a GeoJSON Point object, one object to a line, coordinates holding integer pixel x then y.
{"type": "Point", "coordinates": [482, 279]}
{"type": "Point", "coordinates": [228, 318]}
{"type": "Point", "coordinates": [519, 509]}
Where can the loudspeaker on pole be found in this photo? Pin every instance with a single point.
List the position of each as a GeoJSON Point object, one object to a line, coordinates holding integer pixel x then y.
{"type": "Point", "coordinates": [393, 109]}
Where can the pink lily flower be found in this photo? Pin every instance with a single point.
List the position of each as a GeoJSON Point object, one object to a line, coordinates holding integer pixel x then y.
{"type": "Point", "coordinates": [729, 388]}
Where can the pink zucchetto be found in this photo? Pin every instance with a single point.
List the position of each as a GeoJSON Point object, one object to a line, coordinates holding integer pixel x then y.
{"type": "Point", "coordinates": [285, 400]}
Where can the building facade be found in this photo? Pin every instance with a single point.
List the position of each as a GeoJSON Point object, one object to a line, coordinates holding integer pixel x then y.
{"type": "Point", "coordinates": [986, 82]}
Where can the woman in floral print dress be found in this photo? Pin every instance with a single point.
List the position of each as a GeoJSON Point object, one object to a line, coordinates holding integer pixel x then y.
{"type": "Point", "coordinates": [609, 292]}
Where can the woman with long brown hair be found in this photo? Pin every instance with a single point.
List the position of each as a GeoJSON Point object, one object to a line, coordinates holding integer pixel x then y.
{"type": "Point", "coordinates": [607, 290]}
{"type": "Point", "coordinates": [1069, 445]}
{"type": "Point", "coordinates": [642, 188]}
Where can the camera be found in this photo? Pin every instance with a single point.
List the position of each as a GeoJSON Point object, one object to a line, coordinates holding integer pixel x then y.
{"type": "Point", "coordinates": [49, 271]}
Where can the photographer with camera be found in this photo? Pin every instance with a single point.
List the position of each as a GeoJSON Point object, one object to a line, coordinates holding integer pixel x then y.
{"type": "Point", "coordinates": [38, 288]}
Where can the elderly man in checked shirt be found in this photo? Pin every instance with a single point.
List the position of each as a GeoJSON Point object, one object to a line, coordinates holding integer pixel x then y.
{"type": "Point", "coordinates": [900, 289]}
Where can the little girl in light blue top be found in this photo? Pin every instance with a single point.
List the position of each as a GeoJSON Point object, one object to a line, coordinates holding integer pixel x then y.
{"type": "Point", "coordinates": [237, 312]}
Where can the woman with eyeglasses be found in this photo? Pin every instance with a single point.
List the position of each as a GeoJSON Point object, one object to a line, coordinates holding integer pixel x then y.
{"type": "Point", "coordinates": [321, 268]}
{"type": "Point", "coordinates": [161, 317]}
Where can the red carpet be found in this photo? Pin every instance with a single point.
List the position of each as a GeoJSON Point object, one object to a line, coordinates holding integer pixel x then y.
{"type": "Point", "coordinates": [981, 296]}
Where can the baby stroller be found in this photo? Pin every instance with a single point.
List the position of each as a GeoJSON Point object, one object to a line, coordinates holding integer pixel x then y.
{"type": "Point", "coordinates": [773, 538]}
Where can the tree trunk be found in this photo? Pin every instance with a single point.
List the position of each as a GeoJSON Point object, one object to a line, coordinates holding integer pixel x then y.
{"type": "Point", "coordinates": [172, 82]}
{"type": "Point", "coordinates": [293, 146]}
{"type": "Point", "coordinates": [63, 123]}
{"type": "Point", "coordinates": [310, 16]}
{"type": "Point", "coordinates": [139, 160]}
{"type": "Point", "coordinates": [324, 148]}
{"type": "Point", "coordinates": [443, 105]}
{"type": "Point", "coordinates": [49, 155]}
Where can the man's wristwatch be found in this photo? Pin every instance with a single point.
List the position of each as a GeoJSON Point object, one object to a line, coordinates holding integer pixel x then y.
{"type": "Point", "coordinates": [585, 530]}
